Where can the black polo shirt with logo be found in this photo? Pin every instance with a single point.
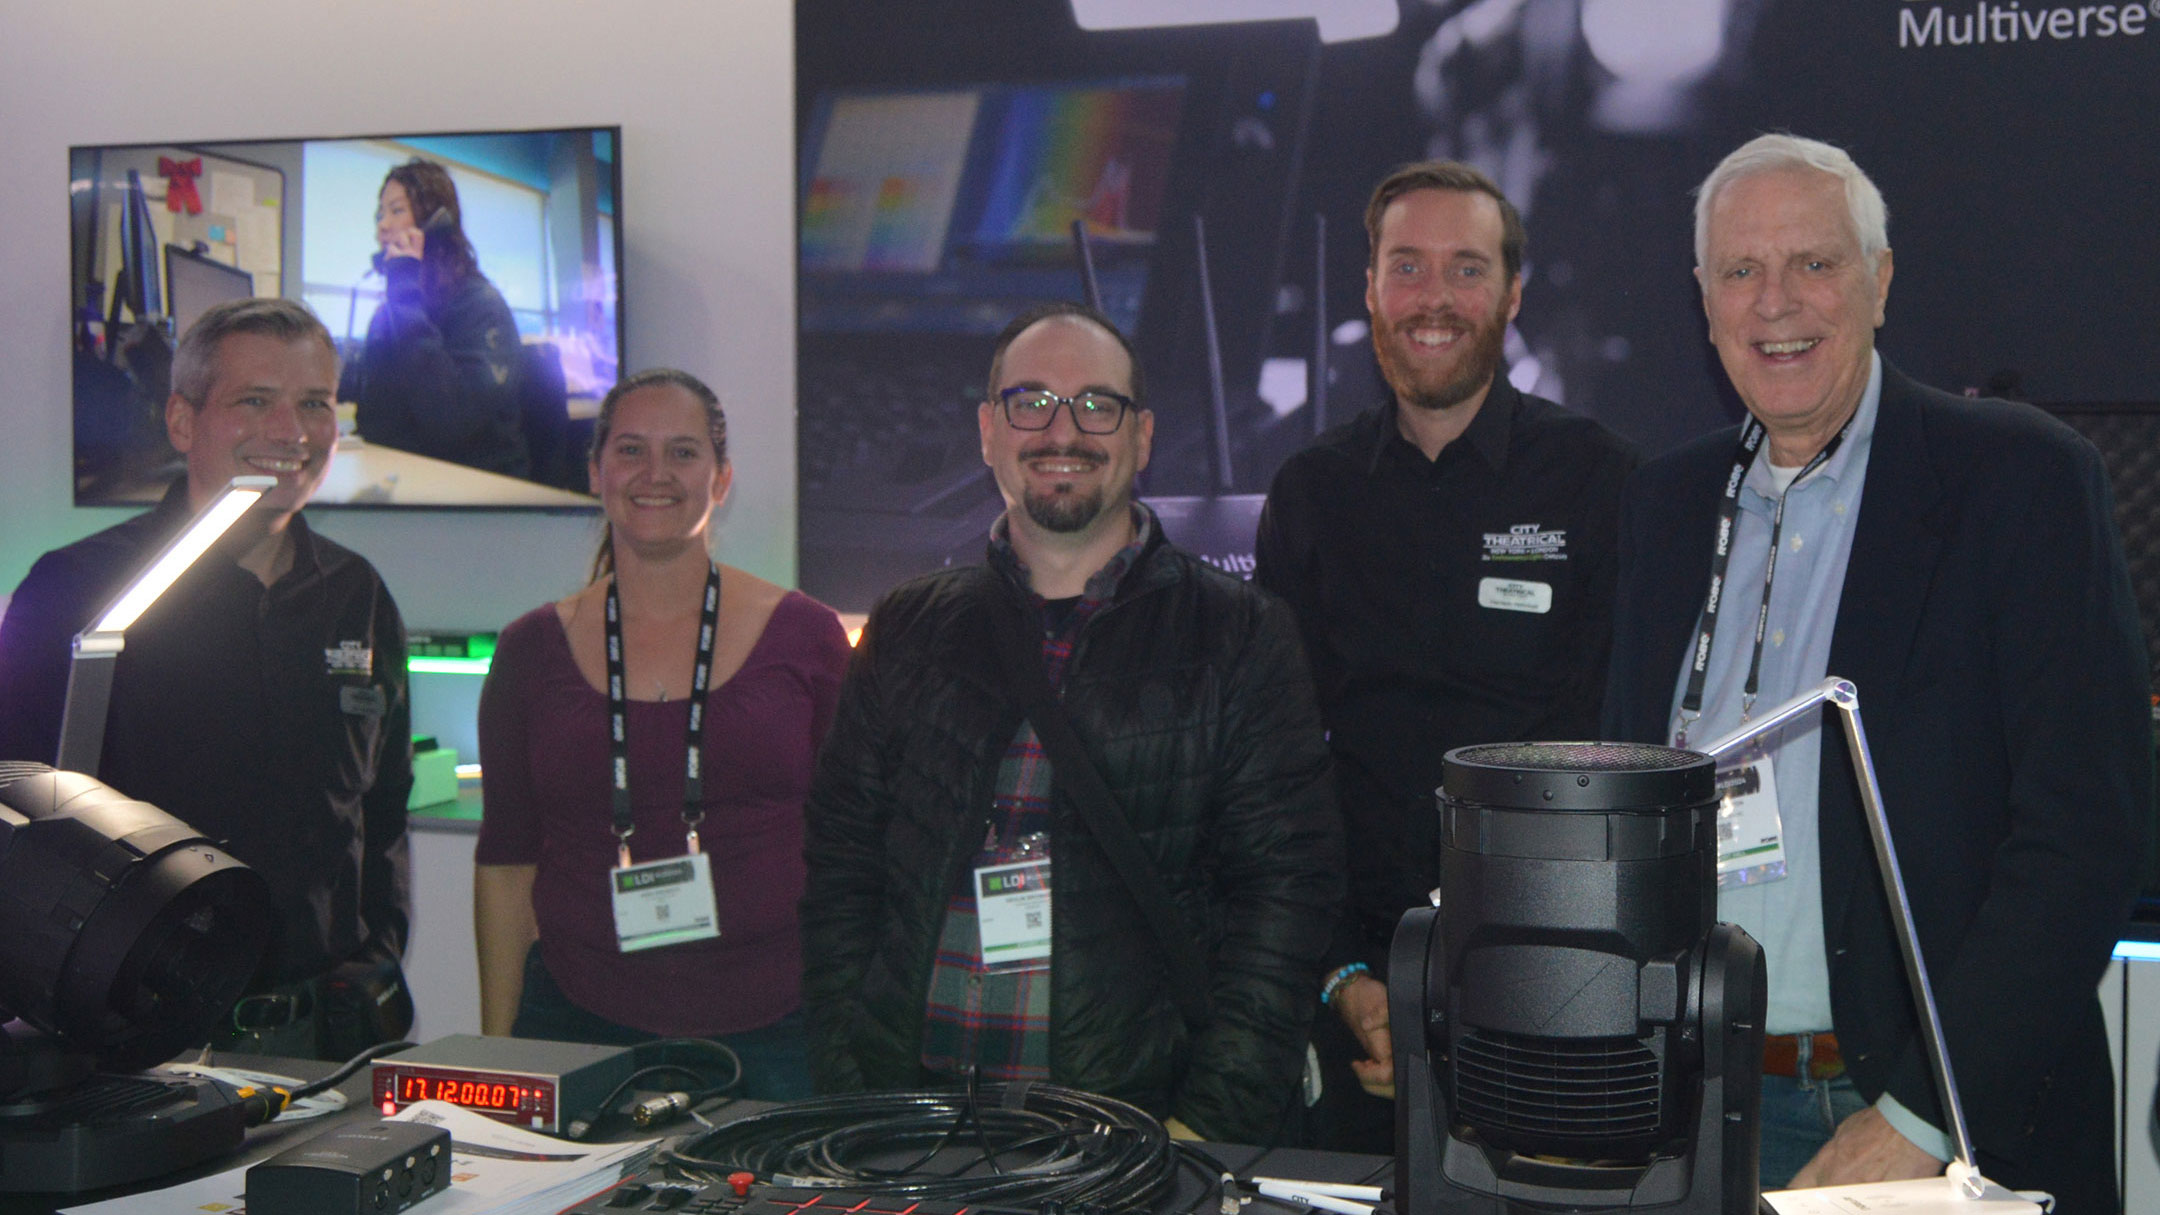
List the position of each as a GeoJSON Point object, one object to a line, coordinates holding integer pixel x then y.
{"type": "Point", "coordinates": [1444, 602]}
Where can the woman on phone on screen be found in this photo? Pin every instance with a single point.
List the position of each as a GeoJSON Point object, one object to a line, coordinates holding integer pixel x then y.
{"type": "Point", "coordinates": [441, 371]}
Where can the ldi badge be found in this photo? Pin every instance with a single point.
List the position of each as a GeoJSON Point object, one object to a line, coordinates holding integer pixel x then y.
{"type": "Point", "coordinates": [349, 658]}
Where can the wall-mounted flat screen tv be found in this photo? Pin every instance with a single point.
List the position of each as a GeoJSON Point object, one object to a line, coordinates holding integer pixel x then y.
{"type": "Point", "coordinates": [471, 281]}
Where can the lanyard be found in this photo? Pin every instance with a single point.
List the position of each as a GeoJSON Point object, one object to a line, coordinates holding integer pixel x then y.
{"type": "Point", "coordinates": [618, 718]}
{"type": "Point", "coordinates": [1751, 439]}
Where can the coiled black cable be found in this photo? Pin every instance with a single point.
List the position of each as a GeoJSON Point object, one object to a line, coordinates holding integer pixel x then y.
{"type": "Point", "coordinates": [1034, 1145]}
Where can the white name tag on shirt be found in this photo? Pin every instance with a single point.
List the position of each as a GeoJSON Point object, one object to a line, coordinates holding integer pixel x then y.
{"type": "Point", "coordinates": [1514, 595]}
{"type": "Point", "coordinates": [1751, 836]}
{"type": "Point", "coordinates": [664, 903]}
{"type": "Point", "coordinates": [1012, 913]}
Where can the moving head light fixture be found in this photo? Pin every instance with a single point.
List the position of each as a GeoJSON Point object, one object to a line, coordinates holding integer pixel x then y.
{"type": "Point", "coordinates": [124, 936]}
{"type": "Point", "coordinates": [1588, 1037]}
{"type": "Point", "coordinates": [1557, 1037]}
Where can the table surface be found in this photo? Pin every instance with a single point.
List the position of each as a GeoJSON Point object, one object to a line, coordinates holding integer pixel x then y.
{"type": "Point", "coordinates": [264, 1141]}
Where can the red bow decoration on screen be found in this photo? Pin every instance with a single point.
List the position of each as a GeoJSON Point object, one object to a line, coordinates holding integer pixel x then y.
{"type": "Point", "coordinates": [180, 191]}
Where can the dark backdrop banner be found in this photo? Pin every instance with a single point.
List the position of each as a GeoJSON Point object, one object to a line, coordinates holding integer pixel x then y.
{"type": "Point", "coordinates": [2018, 146]}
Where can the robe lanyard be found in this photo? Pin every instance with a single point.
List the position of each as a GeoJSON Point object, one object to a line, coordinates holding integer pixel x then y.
{"type": "Point", "coordinates": [618, 718]}
{"type": "Point", "coordinates": [1751, 439]}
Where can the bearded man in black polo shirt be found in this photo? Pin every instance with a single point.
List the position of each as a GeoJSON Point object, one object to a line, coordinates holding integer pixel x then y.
{"type": "Point", "coordinates": [1450, 557]}
{"type": "Point", "coordinates": [262, 699]}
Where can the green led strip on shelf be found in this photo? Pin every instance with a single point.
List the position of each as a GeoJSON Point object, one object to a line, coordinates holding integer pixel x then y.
{"type": "Point", "coordinates": [448, 666]}
{"type": "Point", "coordinates": [449, 653]}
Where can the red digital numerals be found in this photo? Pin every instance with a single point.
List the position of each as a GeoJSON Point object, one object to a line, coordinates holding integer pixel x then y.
{"type": "Point", "coordinates": [472, 1094]}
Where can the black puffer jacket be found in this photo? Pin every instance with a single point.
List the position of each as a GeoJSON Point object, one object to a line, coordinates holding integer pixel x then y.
{"type": "Point", "coordinates": [1191, 693]}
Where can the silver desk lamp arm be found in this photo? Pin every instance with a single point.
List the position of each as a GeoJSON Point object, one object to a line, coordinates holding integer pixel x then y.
{"type": "Point", "coordinates": [1841, 694]}
{"type": "Point", "coordinates": [98, 646]}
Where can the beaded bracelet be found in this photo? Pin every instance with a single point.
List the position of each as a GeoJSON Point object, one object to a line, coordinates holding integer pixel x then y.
{"type": "Point", "coordinates": [1341, 979]}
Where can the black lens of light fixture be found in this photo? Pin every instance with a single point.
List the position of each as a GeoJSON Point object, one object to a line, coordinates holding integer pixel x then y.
{"type": "Point", "coordinates": [123, 931]}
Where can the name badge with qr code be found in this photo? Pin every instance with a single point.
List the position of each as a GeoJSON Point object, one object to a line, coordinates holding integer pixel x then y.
{"type": "Point", "coordinates": [664, 903]}
{"type": "Point", "coordinates": [1751, 835]}
{"type": "Point", "coordinates": [1012, 912]}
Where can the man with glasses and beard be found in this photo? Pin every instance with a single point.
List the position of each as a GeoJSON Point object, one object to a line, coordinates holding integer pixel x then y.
{"type": "Point", "coordinates": [1073, 821]}
{"type": "Point", "coordinates": [1450, 558]}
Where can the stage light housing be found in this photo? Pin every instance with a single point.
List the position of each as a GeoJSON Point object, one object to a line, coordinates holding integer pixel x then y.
{"type": "Point", "coordinates": [124, 933]}
{"type": "Point", "coordinates": [1587, 1036]}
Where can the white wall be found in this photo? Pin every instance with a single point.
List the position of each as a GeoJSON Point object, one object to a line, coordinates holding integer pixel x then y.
{"type": "Point", "coordinates": [439, 960]}
{"type": "Point", "coordinates": [703, 90]}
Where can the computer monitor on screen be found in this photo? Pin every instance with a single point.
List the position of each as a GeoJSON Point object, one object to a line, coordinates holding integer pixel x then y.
{"type": "Point", "coordinates": [137, 287]}
{"type": "Point", "coordinates": [194, 284]}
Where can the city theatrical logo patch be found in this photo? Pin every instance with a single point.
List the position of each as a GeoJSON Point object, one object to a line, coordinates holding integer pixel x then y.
{"type": "Point", "coordinates": [1526, 542]}
{"type": "Point", "coordinates": [1923, 24]}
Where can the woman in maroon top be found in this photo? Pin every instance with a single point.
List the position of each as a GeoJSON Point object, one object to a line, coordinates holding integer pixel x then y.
{"type": "Point", "coordinates": [560, 957]}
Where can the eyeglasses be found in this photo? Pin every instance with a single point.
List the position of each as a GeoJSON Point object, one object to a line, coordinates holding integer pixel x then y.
{"type": "Point", "coordinates": [1094, 413]}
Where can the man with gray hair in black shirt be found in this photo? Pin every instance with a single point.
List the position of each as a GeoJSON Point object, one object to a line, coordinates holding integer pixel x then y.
{"type": "Point", "coordinates": [1450, 559]}
{"type": "Point", "coordinates": [262, 699]}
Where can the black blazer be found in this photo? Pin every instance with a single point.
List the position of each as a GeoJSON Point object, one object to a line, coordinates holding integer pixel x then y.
{"type": "Point", "coordinates": [1988, 623]}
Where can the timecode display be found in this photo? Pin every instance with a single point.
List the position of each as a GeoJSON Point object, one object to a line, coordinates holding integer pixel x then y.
{"type": "Point", "coordinates": [473, 1094]}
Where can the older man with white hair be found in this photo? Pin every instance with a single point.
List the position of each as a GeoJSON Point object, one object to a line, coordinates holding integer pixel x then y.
{"type": "Point", "coordinates": [1958, 560]}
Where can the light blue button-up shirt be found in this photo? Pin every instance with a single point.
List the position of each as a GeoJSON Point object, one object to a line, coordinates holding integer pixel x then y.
{"type": "Point", "coordinates": [1785, 915]}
